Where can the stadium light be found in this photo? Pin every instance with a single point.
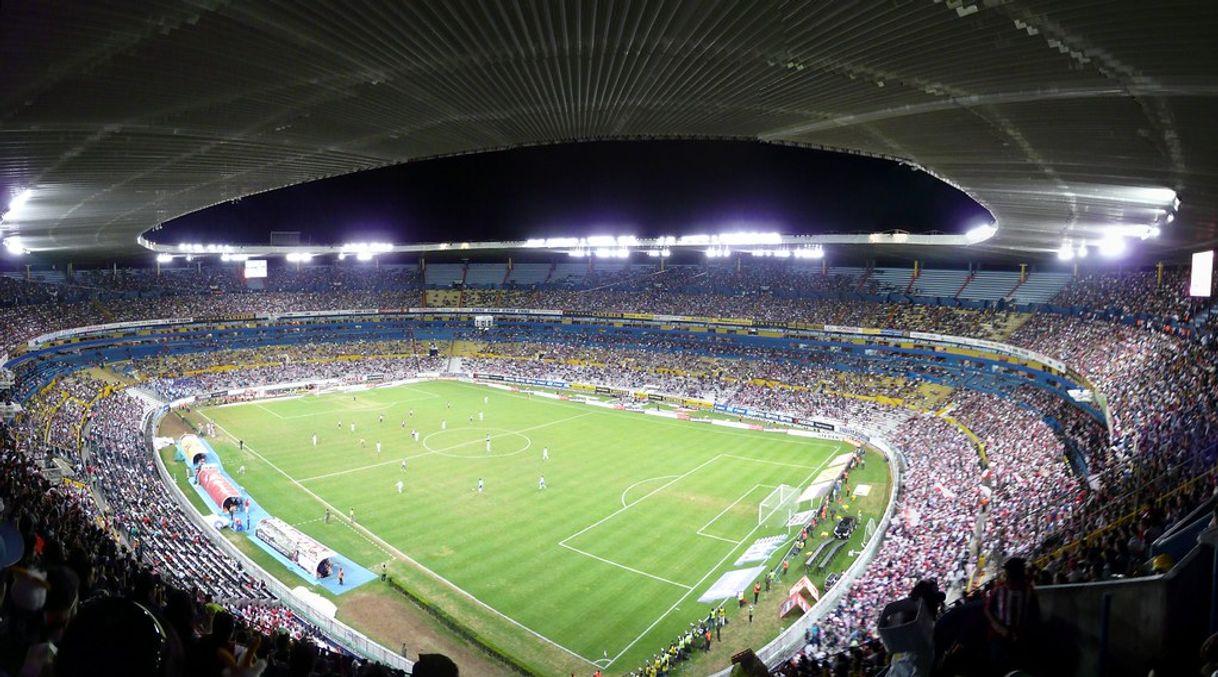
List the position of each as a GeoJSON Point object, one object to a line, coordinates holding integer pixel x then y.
{"type": "Point", "coordinates": [164, 258]}
{"type": "Point", "coordinates": [363, 256]}
{"type": "Point", "coordinates": [746, 238]}
{"type": "Point", "coordinates": [22, 196]}
{"type": "Point", "coordinates": [981, 233]}
{"type": "Point", "coordinates": [816, 252]}
{"type": "Point", "coordinates": [15, 246]}
{"type": "Point", "coordinates": [1066, 253]}
{"type": "Point", "coordinates": [299, 257]}
{"type": "Point", "coordinates": [358, 248]}
{"type": "Point", "coordinates": [1113, 245]}
{"type": "Point", "coordinates": [1082, 251]}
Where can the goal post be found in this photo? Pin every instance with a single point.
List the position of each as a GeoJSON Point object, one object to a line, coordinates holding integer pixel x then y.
{"type": "Point", "coordinates": [777, 507]}
{"type": "Point", "coordinates": [870, 532]}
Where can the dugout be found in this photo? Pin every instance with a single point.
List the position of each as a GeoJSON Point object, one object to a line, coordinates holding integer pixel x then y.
{"type": "Point", "coordinates": [222, 492]}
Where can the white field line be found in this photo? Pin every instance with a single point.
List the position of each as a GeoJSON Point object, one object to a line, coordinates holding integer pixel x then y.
{"type": "Point", "coordinates": [627, 568]}
{"type": "Point", "coordinates": [707, 575]}
{"type": "Point", "coordinates": [758, 460]}
{"type": "Point", "coordinates": [627, 489]}
{"type": "Point", "coordinates": [406, 558]}
{"type": "Point", "coordinates": [347, 407]}
{"type": "Point", "coordinates": [676, 478]}
{"type": "Point", "coordinates": [729, 507]}
{"type": "Point", "coordinates": [448, 448]}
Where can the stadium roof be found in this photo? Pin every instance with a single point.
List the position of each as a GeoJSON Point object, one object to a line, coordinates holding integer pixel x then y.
{"type": "Point", "coordinates": [1062, 118]}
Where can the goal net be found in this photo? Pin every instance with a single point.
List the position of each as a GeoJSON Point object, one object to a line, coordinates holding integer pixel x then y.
{"type": "Point", "coordinates": [871, 527]}
{"type": "Point", "coordinates": [776, 508]}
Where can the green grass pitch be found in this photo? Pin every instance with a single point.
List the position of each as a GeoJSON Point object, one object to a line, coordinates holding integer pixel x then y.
{"type": "Point", "coordinates": [640, 516]}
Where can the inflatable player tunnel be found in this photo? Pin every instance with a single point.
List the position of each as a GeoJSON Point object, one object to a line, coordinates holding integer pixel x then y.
{"type": "Point", "coordinates": [218, 487]}
{"type": "Point", "coordinates": [193, 448]}
{"type": "Point", "coordinates": [307, 553]}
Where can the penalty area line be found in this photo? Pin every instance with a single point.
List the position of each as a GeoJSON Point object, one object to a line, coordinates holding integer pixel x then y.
{"type": "Point", "coordinates": [630, 569]}
{"type": "Point", "coordinates": [706, 576]}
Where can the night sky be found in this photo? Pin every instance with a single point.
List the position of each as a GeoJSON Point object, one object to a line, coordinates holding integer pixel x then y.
{"type": "Point", "coordinates": [643, 188]}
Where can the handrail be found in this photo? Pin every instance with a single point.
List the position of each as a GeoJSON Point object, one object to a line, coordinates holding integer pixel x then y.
{"type": "Point", "coordinates": [1119, 521]}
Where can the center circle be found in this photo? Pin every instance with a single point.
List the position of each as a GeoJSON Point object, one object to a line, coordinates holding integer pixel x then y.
{"type": "Point", "coordinates": [471, 442]}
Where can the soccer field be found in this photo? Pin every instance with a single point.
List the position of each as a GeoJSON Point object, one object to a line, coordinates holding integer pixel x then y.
{"type": "Point", "coordinates": [640, 514]}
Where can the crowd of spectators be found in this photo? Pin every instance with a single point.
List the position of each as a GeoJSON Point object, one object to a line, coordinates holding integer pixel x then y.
{"type": "Point", "coordinates": [81, 602]}
{"type": "Point", "coordinates": [1161, 391]}
{"type": "Point", "coordinates": [1134, 293]}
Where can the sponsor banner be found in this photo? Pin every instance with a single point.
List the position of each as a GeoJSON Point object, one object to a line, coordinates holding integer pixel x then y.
{"type": "Point", "coordinates": [805, 585]}
{"type": "Point", "coordinates": [661, 412]}
{"type": "Point", "coordinates": [761, 549]}
{"type": "Point", "coordinates": [821, 425]}
{"type": "Point", "coordinates": [326, 313]}
{"type": "Point", "coordinates": [734, 424]}
{"type": "Point", "coordinates": [95, 328]}
{"type": "Point", "coordinates": [544, 383]}
{"type": "Point", "coordinates": [230, 317]}
{"type": "Point", "coordinates": [484, 311]}
{"type": "Point", "coordinates": [991, 346]}
{"type": "Point", "coordinates": [793, 602]}
{"type": "Point", "coordinates": [805, 326]}
{"type": "Point", "coordinates": [638, 316]}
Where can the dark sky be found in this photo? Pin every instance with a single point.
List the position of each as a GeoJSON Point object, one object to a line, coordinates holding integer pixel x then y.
{"type": "Point", "coordinates": [643, 188]}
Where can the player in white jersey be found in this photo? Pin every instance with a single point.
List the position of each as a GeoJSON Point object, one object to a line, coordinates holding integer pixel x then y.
{"type": "Point", "coordinates": [314, 439]}
{"type": "Point", "coordinates": [380, 418]}
{"type": "Point", "coordinates": [378, 446]}
{"type": "Point", "coordinates": [545, 453]}
{"type": "Point", "coordinates": [488, 444]}
{"type": "Point", "coordinates": [403, 465]}
{"type": "Point", "coordinates": [485, 399]}
{"type": "Point", "coordinates": [541, 482]}
{"type": "Point", "coordinates": [352, 426]}
{"type": "Point", "coordinates": [443, 424]}
{"type": "Point", "coordinates": [399, 485]}
{"type": "Point", "coordinates": [479, 417]}
{"type": "Point", "coordinates": [480, 485]}
{"type": "Point", "coordinates": [415, 435]}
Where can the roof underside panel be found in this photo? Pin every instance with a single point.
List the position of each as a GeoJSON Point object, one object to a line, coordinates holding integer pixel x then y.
{"type": "Point", "coordinates": [1060, 117]}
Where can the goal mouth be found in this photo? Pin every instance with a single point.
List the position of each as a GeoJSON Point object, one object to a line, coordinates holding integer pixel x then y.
{"type": "Point", "coordinates": [776, 508]}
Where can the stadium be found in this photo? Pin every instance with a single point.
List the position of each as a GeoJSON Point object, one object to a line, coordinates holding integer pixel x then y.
{"type": "Point", "coordinates": [755, 447]}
